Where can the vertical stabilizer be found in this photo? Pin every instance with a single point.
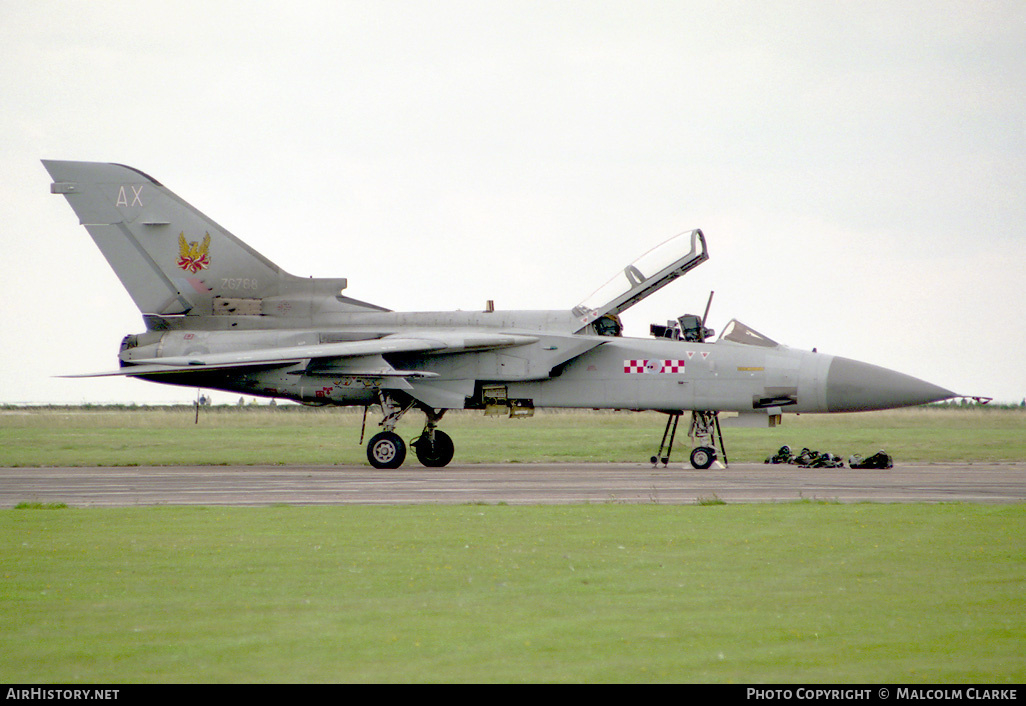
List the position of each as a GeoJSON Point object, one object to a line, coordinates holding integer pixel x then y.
{"type": "Point", "coordinates": [172, 259]}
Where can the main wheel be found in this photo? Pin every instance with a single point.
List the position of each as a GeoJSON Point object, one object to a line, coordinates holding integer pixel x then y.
{"type": "Point", "coordinates": [703, 457]}
{"type": "Point", "coordinates": [386, 450]}
{"type": "Point", "coordinates": [434, 455]}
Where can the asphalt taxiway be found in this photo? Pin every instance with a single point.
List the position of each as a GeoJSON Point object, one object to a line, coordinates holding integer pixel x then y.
{"type": "Point", "coordinates": [514, 484]}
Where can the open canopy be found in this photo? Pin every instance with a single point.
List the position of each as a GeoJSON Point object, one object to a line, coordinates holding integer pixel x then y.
{"type": "Point", "coordinates": [646, 275]}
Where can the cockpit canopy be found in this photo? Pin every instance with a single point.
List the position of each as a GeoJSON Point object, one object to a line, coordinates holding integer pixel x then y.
{"type": "Point", "coordinates": [646, 275]}
{"type": "Point", "coordinates": [737, 332]}
{"type": "Point", "coordinates": [689, 328]}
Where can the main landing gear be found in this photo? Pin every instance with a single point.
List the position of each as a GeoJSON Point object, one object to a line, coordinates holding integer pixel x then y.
{"type": "Point", "coordinates": [704, 434]}
{"type": "Point", "coordinates": [386, 449]}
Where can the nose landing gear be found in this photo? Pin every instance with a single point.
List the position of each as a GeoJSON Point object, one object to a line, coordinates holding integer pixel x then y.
{"type": "Point", "coordinates": [704, 434]}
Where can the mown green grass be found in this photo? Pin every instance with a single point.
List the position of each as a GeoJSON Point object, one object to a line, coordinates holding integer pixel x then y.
{"type": "Point", "coordinates": [589, 593]}
{"type": "Point", "coordinates": [262, 435]}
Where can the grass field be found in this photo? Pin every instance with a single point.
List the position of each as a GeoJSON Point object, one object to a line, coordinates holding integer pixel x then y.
{"type": "Point", "coordinates": [798, 592]}
{"type": "Point", "coordinates": [795, 592]}
{"type": "Point", "coordinates": [297, 435]}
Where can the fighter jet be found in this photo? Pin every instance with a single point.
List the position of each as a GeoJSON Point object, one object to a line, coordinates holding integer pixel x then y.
{"type": "Point", "coordinates": [221, 316]}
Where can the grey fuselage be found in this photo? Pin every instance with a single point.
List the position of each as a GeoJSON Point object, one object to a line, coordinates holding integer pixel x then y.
{"type": "Point", "coordinates": [558, 369]}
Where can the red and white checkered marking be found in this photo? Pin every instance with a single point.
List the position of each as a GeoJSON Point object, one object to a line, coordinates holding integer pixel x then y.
{"type": "Point", "coordinates": [634, 366]}
{"type": "Point", "coordinates": [673, 366]}
{"type": "Point", "coordinates": [654, 366]}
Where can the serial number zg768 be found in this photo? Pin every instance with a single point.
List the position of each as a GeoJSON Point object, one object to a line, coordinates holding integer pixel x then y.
{"type": "Point", "coordinates": [245, 283]}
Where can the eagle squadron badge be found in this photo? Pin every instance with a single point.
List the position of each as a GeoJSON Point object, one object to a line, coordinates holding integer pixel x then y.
{"type": "Point", "coordinates": [194, 256]}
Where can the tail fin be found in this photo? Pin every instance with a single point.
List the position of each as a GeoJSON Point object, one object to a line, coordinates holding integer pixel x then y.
{"type": "Point", "coordinates": [171, 258]}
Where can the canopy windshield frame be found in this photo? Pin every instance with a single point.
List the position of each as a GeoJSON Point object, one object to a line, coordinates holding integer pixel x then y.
{"type": "Point", "coordinates": [737, 332]}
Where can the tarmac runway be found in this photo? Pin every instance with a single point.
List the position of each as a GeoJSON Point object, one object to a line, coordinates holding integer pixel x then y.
{"type": "Point", "coordinates": [513, 484]}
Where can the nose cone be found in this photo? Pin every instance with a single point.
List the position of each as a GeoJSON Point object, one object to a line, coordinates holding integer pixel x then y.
{"type": "Point", "coordinates": [852, 386]}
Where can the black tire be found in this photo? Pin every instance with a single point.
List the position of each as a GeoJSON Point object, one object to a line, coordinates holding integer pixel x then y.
{"type": "Point", "coordinates": [434, 455]}
{"type": "Point", "coordinates": [702, 457]}
{"type": "Point", "coordinates": [386, 450]}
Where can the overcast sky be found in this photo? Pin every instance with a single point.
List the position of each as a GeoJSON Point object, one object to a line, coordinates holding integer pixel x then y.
{"type": "Point", "coordinates": [859, 169]}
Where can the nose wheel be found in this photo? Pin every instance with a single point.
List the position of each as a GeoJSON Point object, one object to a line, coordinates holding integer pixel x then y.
{"type": "Point", "coordinates": [702, 457]}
